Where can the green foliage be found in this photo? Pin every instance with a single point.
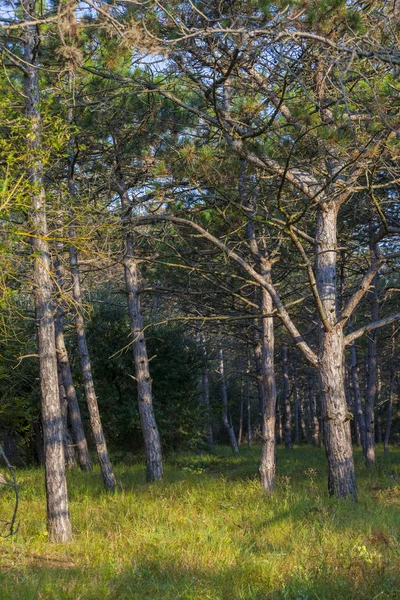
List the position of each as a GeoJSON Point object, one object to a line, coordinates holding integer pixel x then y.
{"type": "Point", "coordinates": [174, 370]}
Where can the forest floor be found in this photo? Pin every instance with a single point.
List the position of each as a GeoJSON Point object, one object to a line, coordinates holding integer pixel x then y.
{"type": "Point", "coordinates": [207, 532]}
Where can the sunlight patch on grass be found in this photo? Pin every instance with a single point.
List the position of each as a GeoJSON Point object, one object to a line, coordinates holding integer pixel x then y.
{"type": "Point", "coordinates": [208, 532]}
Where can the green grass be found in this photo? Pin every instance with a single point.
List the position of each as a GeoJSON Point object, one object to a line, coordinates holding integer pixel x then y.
{"type": "Point", "coordinates": [207, 532]}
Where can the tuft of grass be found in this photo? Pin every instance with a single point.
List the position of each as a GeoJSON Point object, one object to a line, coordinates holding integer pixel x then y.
{"type": "Point", "coordinates": [207, 532]}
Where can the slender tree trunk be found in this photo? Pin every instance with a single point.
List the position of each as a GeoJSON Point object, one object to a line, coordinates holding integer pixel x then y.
{"type": "Point", "coordinates": [268, 442]}
{"type": "Point", "coordinates": [152, 442]}
{"type": "Point", "coordinates": [359, 414]}
{"type": "Point", "coordinates": [390, 399]}
{"type": "Point", "coordinates": [59, 525]}
{"type": "Point", "coordinates": [268, 445]}
{"type": "Point", "coordinates": [259, 376]}
{"type": "Point", "coordinates": [279, 432]}
{"type": "Point", "coordinates": [67, 384]}
{"type": "Point", "coordinates": [389, 412]}
{"type": "Point", "coordinates": [69, 452]}
{"type": "Point", "coordinates": [72, 398]}
{"type": "Point", "coordinates": [87, 376]}
{"type": "Point", "coordinates": [38, 441]}
{"type": "Point", "coordinates": [378, 409]}
{"type": "Point", "coordinates": [296, 405]}
{"type": "Point", "coordinates": [286, 396]}
{"type": "Point", "coordinates": [86, 367]}
{"type": "Point", "coordinates": [206, 394]}
{"type": "Point", "coordinates": [240, 434]}
{"type": "Point", "coordinates": [371, 382]}
{"type": "Point", "coordinates": [224, 396]}
{"type": "Point", "coordinates": [302, 418]}
{"type": "Point", "coordinates": [339, 452]}
{"type": "Point", "coordinates": [315, 440]}
{"type": "Point", "coordinates": [248, 402]}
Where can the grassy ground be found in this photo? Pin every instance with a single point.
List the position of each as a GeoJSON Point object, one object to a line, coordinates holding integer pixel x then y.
{"type": "Point", "coordinates": [208, 533]}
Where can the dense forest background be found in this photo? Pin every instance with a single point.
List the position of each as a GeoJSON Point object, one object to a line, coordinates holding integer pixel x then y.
{"type": "Point", "coordinates": [199, 237]}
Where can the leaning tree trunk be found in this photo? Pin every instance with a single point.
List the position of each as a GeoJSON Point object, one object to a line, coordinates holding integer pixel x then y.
{"type": "Point", "coordinates": [87, 376]}
{"type": "Point", "coordinates": [73, 406]}
{"type": "Point", "coordinates": [371, 382]}
{"type": "Point", "coordinates": [67, 383]}
{"type": "Point", "coordinates": [224, 397]}
{"type": "Point", "coordinates": [286, 399]}
{"type": "Point", "coordinates": [337, 436]}
{"type": "Point", "coordinates": [268, 446]}
{"type": "Point", "coordinates": [59, 525]}
{"type": "Point", "coordinates": [86, 367]}
{"type": "Point", "coordinates": [152, 442]}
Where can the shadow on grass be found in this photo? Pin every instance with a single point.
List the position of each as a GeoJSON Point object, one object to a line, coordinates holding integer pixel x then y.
{"type": "Point", "coordinates": [154, 580]}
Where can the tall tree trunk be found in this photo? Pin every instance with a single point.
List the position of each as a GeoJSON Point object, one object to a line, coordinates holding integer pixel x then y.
{"type": "Point", "coordinates": [87, 376]}
{"type": "Point", "coordinates": [206, 393]}
{"type": "Point", "coordinates": [279, 420]}
{"type": "Point", "coordinates": [379, 436]}
{"type": "Point", "coordinates": [296, 404]}
{"type": "Point", "coordinates": [78, 431]}
{"type": "Point", "coordinates": [69, 452]}
{"type": "Point", "coordinates": [302, 418]}
{"type": "Point", "coordinates": [38, 441]}
{"type": "Point", "coordinates": [152, 442]}
{"type": "Point", "coordinates": [86, 367]}
{"type": "Point", "coordinates": [248, 403]}
{"type": "Point", "coordinates": [371, 382]}
{"type": "Point", "coordinates": [240, 434]}
{"type": "Point", "coordinates": [258, 359]}
{"type": "Point", "coordinates": [390, 398]}
{"type": "Point", "coordinates": [339, 452]}
{"type": "Point", "coordinates": [389, 410]}
{"type": "Point", "coordinates": [359, 414]}
{"type": "Point", "coordinates": [67, 384]}
{"type": "Point", "coordinates": [59, 526]}
{"type": "Point", "coordinates": [286, 397]}
{"type": "Point", "coordinates": [315, 440]}
{"type": "Point", "coordinates": [224, 397]}
{"type": "Point", "coordinates": [268, 445]}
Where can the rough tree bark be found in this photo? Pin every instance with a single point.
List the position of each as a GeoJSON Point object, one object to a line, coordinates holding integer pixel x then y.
{"type": "Point", "coordinates": [268, 447]}
{"type": "Point", "coordinates": [69, 452]}
{"type": "Point", "coordinates": [67, 384]}
{"type": "Point", "coordinates": [339, 452]}
{"type": "Point", "coordinates": [152, 442]}
{"type": "Point", "coordinates": [78, 431]}
{"type": "Point", "coordinates": [84, 356]}
{"type": "Point", "coordinates": [59, 526]}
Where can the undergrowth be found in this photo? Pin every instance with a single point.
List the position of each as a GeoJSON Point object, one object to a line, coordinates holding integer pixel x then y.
{"type": "Point", "coordinates": [207, 532]}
